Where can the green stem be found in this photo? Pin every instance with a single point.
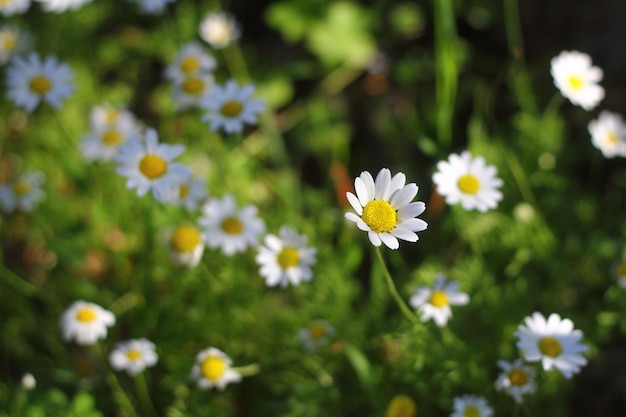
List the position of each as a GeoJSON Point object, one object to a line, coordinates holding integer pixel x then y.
{"type": "Point", "coordinates": [247, 370]}
{"type": "Point", "coordinates": [141, 386]}
{"type": "Point", "coordinates": [513, 28]}
{"type": "Point", "coordinates": [119, 396]}
{"type": "Point", "coordinates": [392, 288]}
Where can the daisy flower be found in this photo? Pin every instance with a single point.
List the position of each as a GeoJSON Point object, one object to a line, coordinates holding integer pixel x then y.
{"type": "Point", "coordinates": [186, 245]}
{"type": "Point", "coordinates": [620, 271]}
{"type": "Point", "coordinates": [31, 80]}
{"type": "Point", "coordinates": [60, 6]}
{"type": "Point", "coordinates": [111, 117]}
{"type": "Point", "coordinates": [111, 127]}
{"type": "Point", "coordinates": [133, 356]}
{"type": "Point", "coordinates": [192, 90]}
{"type": "Point", "coordinates": [219, 30]}
{"type": "Point", "coordinates": [192, 59]}
{"type": "Point", "coordinates": [191, 193]}
{"type": "Point", "coordinates": [213, 369]}
{"type": "Point", "coordinates": [11, 7]}
{"type": "Point", "coordinates": [554, 342]}
{"type": "Point", "coordinates": [231, 229]}
{"type": "Point", "coordinates": [469, 181]}
{"type": "Point", "coordinates": [316, 334]}
{"type": "Point", "coordinates": [152, 6]}
{"type": "Point", "coordinates": [608, 133]}
{"type": "Point", "coordinates": [86, 323]}
{"type": "Point", "coordinates": [22, 192]}
{"type": "Point", "coordinates": [285, 258]}
{"type": "Point", "coordinates": [401, 406]}
{"type": "Point", "coordinates": [516, 379]}
{"type": "Point", "coordinates": [28, 381]}
{"type": "Point", "coordinates": [577, 79]}
{"type": "Point", "coordinates": [230, 107]}
{"type": "Point", "coordinates": [149, 166]}
{"type": "Point", "coordinates": [12, 42]}
{"type": "Point", "coordinates": [384, 209]}
{"type": "Point", "coordinates": [471, 406]}
{"type": "Point", "coordinates": [435, 302]}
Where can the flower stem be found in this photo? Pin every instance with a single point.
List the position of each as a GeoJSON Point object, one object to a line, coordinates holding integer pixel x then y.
{"type": "Point", "coordinates": [247, 370]}
{"type": "Point", "coordinates": [392, 288]}
{"type": "Point", "coordinates": [141, 386]}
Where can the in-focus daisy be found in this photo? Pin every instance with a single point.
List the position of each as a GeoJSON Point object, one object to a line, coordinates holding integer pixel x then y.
{"type": "Point", "coordinates": [11, 7]}
{"type": "Point", "coordinates": [149, 166]}
{"type": "Point", "coordinates": [469, 181]}
{"type": "Point", "coordinates": [60, 6]}
{"type": "Point", "coordinates": [111, 127]}
{"type": "Point", "coordinates": [230, 107]}
{"type": "Point", "coordinates": [219, 30]}
{"type": "Point", "coordinates": [192, 90]}
{"type": "Point", "coordinates": [31, 80]}
{"type": "Point", "coordinates": [401, 406]}
{"type": "Point", "coordinates": [229, 228]}
{"type": "Point", "coordinates": [86, 323]}
{"type": "Point", "coordinates": [554, 342]}
{"type": "Point", "coordinates": [213, 369]}
{"type": "Point", "coordinates": [285, 258]}
{"type": "Point", "coordinates": [577, 79]}
{"type": "Point", "coordinates": [152, 6]}
{"type": "Point", "coordinates": [22, 192]}
{"type": "Point", "coordinates": [133, 356]}
{"type": "Point", "coordinates": [516, 379]}
{"type": "Point", "coordinates": [186, 245]}
{"type": "Point", "coordinates": [471, 406]}
{"type": "Point", "coordinates": [316, 334]}
{"type": "Point", "coordinates": [435, 302]}
{"type": "Point", "coordinates": [608, 133]}
{"type": "Point", "coordinates": [12, 42]}
{"type": "Point", "coordinates": [192, 59]}
{"type": "Point", "coordinates": [384, 209]}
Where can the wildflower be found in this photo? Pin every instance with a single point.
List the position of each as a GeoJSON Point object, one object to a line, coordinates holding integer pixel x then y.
{"type": "Point", "coordinates": [469, 181]}
{"type": "Point", "coordinates": [554, 342]}
{"type": "Point", "coordinates": [111, 127]}
{"type": "Point", "coordinates": [86, 323]}
{"type": "Point", "coordinates": [12, 42]}
{"type": "Point", "coordinates": [471, 406]}
{"type": "Point", "coordinates": [516, 379]}
{"type": "Point", "coordinates": [186, 245]}
{"type": "Point", "coordinates": [384, 209]}
{"type": "Point", "coordinates": [213, 369]}
{"type": "Point", "coordinates": [22, 192]}
{"type": "Point", "coordinates": [435, 303]}
{"type": "Point", "coordinates": [316, 334]}
{"type": "Point", "coordinates": [112, 117]}
{"type": "Point", "coordinates": [192, 90]}
{"type": "Point", "coordinates": [152, 6]}
{"type": "Point", "coordinates": [31, 80]}
{"type": "Point", "coordinates": [285, 258]}
{"type": "Point", "coordinates": [190, 193]}
{"type": "Point", "coordinates": [192, 59]}
{"type": "Point", "coordinates": [577, 79]}
{"type": "Point", "coordinates": [219, 30]}
{"type": "Point", "coordinates": [149, 166]}
{"type": "Point", "coordinates": [233, 230]}
{"type": "Point", "coordinates": [401, 406]}
{"type": "Point", "coordinates": [620, 271]}
{"type": "Point", "coordinates": [133, 356]}
{"type": "Point", "coordinates": [11, 7]}
{"type": "Point", "coordinates": [608, 133]}
{"type": "Point", "coordinates": [230, 107]}
{"type": "Point", "coordinates": [60, 6]}
{"type": "Point", "coordinates": [28, 381]}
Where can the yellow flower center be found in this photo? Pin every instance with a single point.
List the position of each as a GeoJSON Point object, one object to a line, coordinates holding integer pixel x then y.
{"type": "Point", "coordinates": [40, 84]}
{"type": "Point", "coordinates": [152, 166]}
{"type": "Point", "coordinates": [112, 137]}
{"type": "Point", "coordinates": [232, 225]}
{"type": "Point", "coordinates": [213, 368]}
{"type": "Point", "coordinates": [612, 138]}
{"type": "Point", "coordinates": [183, 191]}
{"type": "Point", "coordinates": [438, 298]}
{"type": "Point", "coordinates": [518, 377]}
{"type": "Point", "coordinates": [21, 187]}
{"type": "Point", "coordinates": [86, 315]}
{"type": "Point", "coordinates": [379, 216]}
{"type": "Point", "coordinates": [575, 81]}
{"type": "Point", "coordinates": [190, 64]}
{"type": "Point", "coordinates": [288, 257]}
{"type": "Point", "coordinates": [232, 108]}
{"type": "Point", "coordinates": [133, 355]}
{"type": "Point", "coordinates": [193, 86]}
{"type": "Point", "coordinates": [111, 116]}
{"type": "Point", "coordinates": [471, 411]}
{"type": "Point", "coordinates": [8, 40]}
{"type": "Point", "coordinates": [185, 239]}
{"type": "Point", "coordinates": [468, 184]}
{"type": "Point", "coordinates": [551, 347]}
{"type": "Point", "coordinates": [401, 406]}
{"type": "Point", "coordinates": [621, 269]}
{"type": "Point", "coordinates": [317, 331]}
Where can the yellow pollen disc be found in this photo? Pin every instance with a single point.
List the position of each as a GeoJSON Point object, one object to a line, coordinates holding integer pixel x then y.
{"type": "Point", "coordinates": [551, 347]}
{"type": "Point", "coordinates": [621, 269]}
{"type": "Point", "coordinates": [518, 377]}
{"type": "Point", "coordinates": [152, 166]}
{"type": "Point", "coordinates": [133, 355]}
{"type": "Point", "coordinates": [575, 81]}
{"type": "Point", "coordinates": [112, 137]}
{"type": "Point", "coordinates": [111, 116]}
{"type": "Point", "coordinates": [401, 406]}
{"type": "Point", "coordinates": [183, 191]}
{"type": "Point", "coordinates": [40, 84]}
{"type": "Point", "coordinates": [231, 108]}
{"type": "Point", "coordinates": [193, 86]}
{"type": "Point", "coordinates": [471, 411]}
{"type": "Point", "coordinates": [232, 225]}
{"type": "Point", "coordinates": [213, 368]}
{"type": "Point", "coordinates": [317, 331]}
{"type": "Point", "coordinates": [86, 315]}
{"type": "Point", "coordinates": [190, 64]}
{"type": "Point", "coordinates": [612, 138]}
{"type": "Point", "coordinates": [288, 257]}
{"type": "Point", "coordinates": [21, 187]}
{"type": "Point", "coordinates": [438, 299]}
{"type": "Point", "coordinates": [379, 216]}
{"type": "Point", "coordinates": [185, 239]}
{"type": "Point", "coordinates": [8, 41]}
{"type": "Point", "coordinates": [468, 184]}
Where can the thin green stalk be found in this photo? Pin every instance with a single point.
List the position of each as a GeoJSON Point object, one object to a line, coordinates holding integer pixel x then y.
{"type": "Point", "coordinates": [247, 370]}
{"type": "Point", "coordinates": [513, 28]}
{"type": "Point", "coordinates": [392, 288]}
{"type": "Point", "coordinates": [120, 397]}
{"type": "Point", "coordinates": [141, 386]}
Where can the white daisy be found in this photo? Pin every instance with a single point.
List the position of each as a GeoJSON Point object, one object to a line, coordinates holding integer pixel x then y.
{"type": "Point", "coordinates": [11, 7]}
{"type": "Point", "coordinates": [435, 302]}
{"type": "Point", "coordinates": [401, 406]}
{"type": "Point", "coordinates": [22, 192]}
{"type": "Point", "coordinates": [516, 379]}
{"type": "Point", "coordinates": [28, 381]}
{"type": "Point", "coordinates": [149, 166]}
{"type": "Point", "coordinates": [112, 117]}
{"type": "Point", "coordinates": [231, 229]}
{"type": "Point", "coordinates": [152, 6]}
{"type": "Point", "coordinates": [384, 209]}
{"type": "Point", "coordinates": [554, 342]}
{"type": "Point", "coordinates": [191, 193]}
{"type": "Point", "coordinates": [60, 6]}
{"type": "Point", "coordinates": [186, 245]}
{"type": "Point", "coordinates": [86, 323]}
{"type": "Point", "coordinates": [133, 356]}
{"type": "Point", "coordinates": [230, 107]}
{"type": "Point", "coordinates": [469, 181]}
{"type": "Point", "coordinates": [285, 258]}
{"type": "Point", "coordinates": [471, 406]}
{"type": "Point", "coordinates": [316, 334]}
{"type": "Point", "coordinates": [192, 59]}
{"type": "Point", "coordinates": [608, 133]}
{"type": "Point", "coordinates": [219, 30]}
{"type": "Point", "coordinates": [12, 42]}
{"type": "Point", "coordinates": [111, 127]}
{"type": "Point", "coordinates": [192, 90]}
{"type": "Point", "coordinates": [213, 369]}
{"type": "Point", "coordinates": [577, 79]}
{"type": "Point", "coordinates": [31, 80]}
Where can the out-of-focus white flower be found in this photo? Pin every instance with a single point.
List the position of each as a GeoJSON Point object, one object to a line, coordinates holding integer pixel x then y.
{"type": "Point", "coordinates": [86, 323]}
{"type": "Point", "coordinates": [110, 128]}
{"type": "Point", "coordinates": [191, 60]}
{"type": "Point", "coordinates": [192, 90]}
{"type": "Point", "coordinates": [577, 79]}
{"type": "Point", "coordinates": [230, 107]}
{"type": "Point", "coordinates": [316, 334]}
{"type": "Point", "coordinates": [219, 30]}
{"type": "Point", "coordinates": [516, 379]}
{"type": "Point", "coordinates": [11, 7]}
{"type": "Point", "coordinates": [608, 133]}
{"type": "Point", "coordinates": [213, 369]}
{"type": "Point", "coordinates": [28, 381]}
{"type": "Point", "coordinates": [133, 356]}
{"type": "Point", "coordinates": [186, 245]}
{"type": "Point", "coordinates": [435, 302]}
{"type": "Point", "coordinates": [471, 406]}
{"type": "Point", "coordinates": [13, 41]}
{"type": "Point", "coordinates": [60, 6]}
{"type": "Point", "coordinates": [22, 192]}
{"type": "Point", "coordinates": [151, 6]}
